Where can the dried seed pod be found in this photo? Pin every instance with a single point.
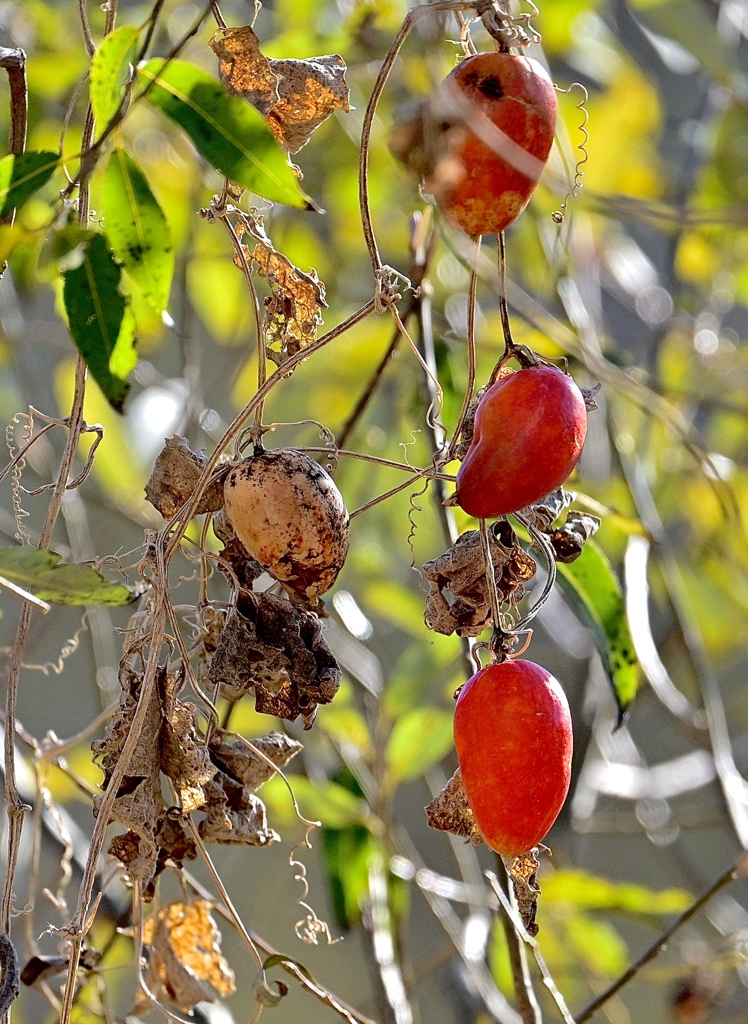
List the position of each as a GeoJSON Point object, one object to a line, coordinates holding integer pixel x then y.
{"type": "Point", "coordinates": [290, 516]}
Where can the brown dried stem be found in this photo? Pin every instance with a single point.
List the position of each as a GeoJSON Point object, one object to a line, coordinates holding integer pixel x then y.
{"type": "Point", "coordinates": [14, 62]}
{"type": "Point", "coordinates": [472, 289]}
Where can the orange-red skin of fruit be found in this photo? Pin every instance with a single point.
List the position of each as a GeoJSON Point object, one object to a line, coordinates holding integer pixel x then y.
{"type": "Point", "coordinates": [515, 95]}
{"type": "Point", "coordinates": [513, 736]}
{"type": "Point", "coordinates": [529, 432]}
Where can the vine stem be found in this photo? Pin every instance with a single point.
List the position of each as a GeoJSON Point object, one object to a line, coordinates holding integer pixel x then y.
{"type": "Point", "coordinates": [472, 291]}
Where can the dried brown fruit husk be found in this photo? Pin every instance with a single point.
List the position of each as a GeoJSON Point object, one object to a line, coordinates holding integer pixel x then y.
{"type": "Point", "coordinates": [175, 475]}
{"type": "Point", "coordinates": [185, 954]}
{"type": "Point", "coordinates": [545, 512]}
{"type": "Point", "coordinates": [458, 600]}
{"type": "Point", "coordinates": [289, 515]}
{"type": "Point", "coordinates": [296, 96]}
{"type": "Point", "coordinates": [450, 811]}
{"type": "Point", "coordinates": [277, 650]}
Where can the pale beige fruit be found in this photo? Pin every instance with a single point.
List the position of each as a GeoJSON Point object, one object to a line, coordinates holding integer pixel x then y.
{"type": "Point", "coordinates": [290, 516]}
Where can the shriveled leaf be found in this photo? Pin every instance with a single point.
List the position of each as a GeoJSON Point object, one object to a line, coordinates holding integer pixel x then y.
{"type": "Point", "coordinates": [581, 889]}
{"type": "Point", "coordinates": [296, 96]}
{"type": "Point", "coordinates": [111, 68]}
{"type": "Point", "coordinates": [293, 310]}
{"type": "Point", "coordinates": [22, 175]}
{"type": "Point", "coordinates": [279, 651]}
{"type": "Point", "coordinates": [593, 588]}
{"type": "Point", "coordinates": [137, 230]}
{"type": "Point", "coordinates": [96, 310]}
{"type": "Point", "coordinates": [229, 133]}
{"type": "Point", "coordinates": [458, 600]}
{"type": "Point", "coordinates": [523, 872]}
{"type": "Point", "coordinates": [568, 540]}
{"type": "Point", "coordinates": [183, 755]}
{"type": "Point", "coordinates": [234, 814]}
{"type": "Point", "coordinates": [174, 478]}
{"type": "Point", "coordinates": [450, 811]}
{"type": "Point", "coordinates": [185, 951]}
{"type": "Point", "coordinates": [247, 760]}
{"type": "Point", "coordinates": [48, 577]}
{"type": "Point", "coordinates": [419, 739]}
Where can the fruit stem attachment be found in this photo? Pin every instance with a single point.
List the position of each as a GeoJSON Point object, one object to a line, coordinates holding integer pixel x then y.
{"type": "Point", "coordinates": [524, 356]}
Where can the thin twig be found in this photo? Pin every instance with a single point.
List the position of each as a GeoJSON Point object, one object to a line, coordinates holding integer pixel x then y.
{"type": "Point", "coordinates": [527, 1002]}
{"type": "Point", "coordinates": [14, 62]}
{"type": "Point", "coordinates": [660, 945]}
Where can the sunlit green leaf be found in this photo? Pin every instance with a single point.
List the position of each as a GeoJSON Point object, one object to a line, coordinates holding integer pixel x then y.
{"type": "Point", "coordinates": [582, 889]}
{"type": "Point", "coordinates": [22, 175]}
{"type": "Point", "coordinates": [330, 803]}
{"type": "Point", "coordinates": [226, 130]}
{"type": "Point", "coordinates": [593, 588]}
{"type": "Point", "coordinates": [597, 944]}
{"type": "Point", "coordinates": [419, 740]}
{"type": "Point", "coordinates": [137, 230]}
{"type": "Point", "coordinates": [110, 70]}
{"type": "Point", "coordinates": [95, 309]}
{"type": "Point", "coordinates": [44, 574]}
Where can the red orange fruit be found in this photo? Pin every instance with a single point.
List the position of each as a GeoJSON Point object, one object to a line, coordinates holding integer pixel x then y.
{"type": "Point", "coordinates": [513, 736]}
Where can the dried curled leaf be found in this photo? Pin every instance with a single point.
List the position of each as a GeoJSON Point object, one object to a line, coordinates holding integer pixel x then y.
{"type": "Point", "coordinates": [278, 650]}
{"type": "Point", "coordinates": [295, 96]}
{"type": "Point", "coordinates": [458, 600]}
{"type": "Point", "coordinates": [168, 742]}
{"type": "Point", "coordinates": [569, 540]}
{"type": "Point", "coordinates": [174, 478]}
{"type": "Point", "coordinates": [293, 310]}
{"type": "Point", "coordinates": [234, 813]}
{"type": "Point", "coordinates": [523, 872]}
{"type": "Point", "coordinates": [545, 512]}
{"type": "Point", "coordinates": [451, 812]}
{"type": "Point", "coordinates": [184, 953]}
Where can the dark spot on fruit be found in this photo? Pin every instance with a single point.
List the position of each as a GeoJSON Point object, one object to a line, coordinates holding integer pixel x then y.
{"type": "Point", "coordinates": [491, 87]}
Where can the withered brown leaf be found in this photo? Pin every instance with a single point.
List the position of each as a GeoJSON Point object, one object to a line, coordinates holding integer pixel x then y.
{"type": "Point", "coordinates": [523, 872]}
{"type": "Point", "coordinates": [451, 812]}
{"type": "Point", "coordinates": [234, 813]}
{"type": "Point", "coordinates": [279, 651]}
{"type": "Point", "coordinates": [174, 478]}
{"type": "Point", "coordinates": [183, 756]}
{"type": "Point", "coordinates": [458, 600]}
{"type": "Point", "coordinates": [569, 540]}
{"type": "Point", "coordinates": [293, 310]}
{"type": "Point", "coordinates": [185, 951]}
{"type": "Point", "coordinates": [295, 96]}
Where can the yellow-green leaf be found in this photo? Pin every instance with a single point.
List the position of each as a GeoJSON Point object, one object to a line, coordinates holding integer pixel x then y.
{"type": "Point", "coordinates": [45, 575]}
{"type": "Point", "coordinates": [111, 68]}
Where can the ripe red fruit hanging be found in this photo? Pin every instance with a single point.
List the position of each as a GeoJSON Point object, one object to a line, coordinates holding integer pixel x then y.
{"type": "Point", "coordinates": [513, 736]}
{"type": "Point", "coordinates": [529, 432]}
{"type": "Point", "coordinates": [491, 129]}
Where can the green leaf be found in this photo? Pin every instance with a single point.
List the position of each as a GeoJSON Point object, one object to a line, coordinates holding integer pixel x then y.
{"type": "Point", "coordinates": [100, 328]}
{"type": "Point", "coordinates": [22, 175]}
{"type": "Point", "coordinates": [329, 803]}
{"type": "Point", "coordinates": [346, 853]}
{"type": "Point", "coordinates": [593, 588]}
{"type": "Point", "coordinates": [42, 573]}
{"type": "Point", "coordinates": [597, 944]}
{"type": "Point", "coordinates": [690, 23]}
{"type": "Point", "coordinates": [226, 130]}
{"type": "Point", "coordinates": [590, 892]}
{"type": "Point", "coordinates": [419, 739]}
{"type": "Point", "coordinates": [110, 70]}
{"type": "Point", "coordinates": [137, 230]}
